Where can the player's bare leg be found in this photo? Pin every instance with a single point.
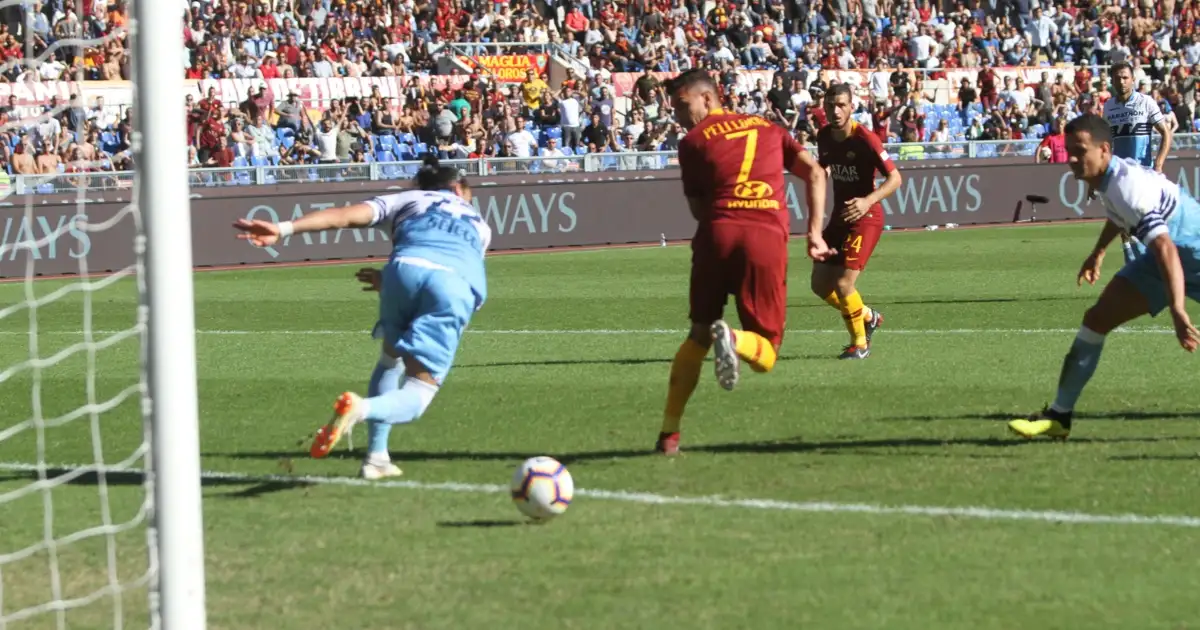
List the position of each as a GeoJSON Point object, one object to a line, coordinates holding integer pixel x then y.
{"type": "Point", "coordinates": [685, 374]}
{"type": "Point", "coordinates": [1120, 302]}
{"type": "Point", "coordinates": [836, 285]}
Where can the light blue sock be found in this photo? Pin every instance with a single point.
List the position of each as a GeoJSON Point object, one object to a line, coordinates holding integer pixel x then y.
{"type": "Point", "coordinates": [402, 405]}
{"type": "Point", "coordinates": [386, 378]}
{"type": "Point", "coordinates": [1078, 368]}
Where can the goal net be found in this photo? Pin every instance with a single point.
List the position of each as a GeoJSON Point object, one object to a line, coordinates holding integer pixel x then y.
{"type": "Point", "coordinates": [99, 459]}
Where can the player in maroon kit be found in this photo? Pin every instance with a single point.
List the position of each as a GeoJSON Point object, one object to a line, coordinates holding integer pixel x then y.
{"type": "Point", "coordinates": [732, 169]}
{"type": "Point", "coordinates": [853, 154]}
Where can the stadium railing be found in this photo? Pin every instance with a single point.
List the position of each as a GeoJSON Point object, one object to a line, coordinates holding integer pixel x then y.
{"type": "Point", "coordinates": [623, 161]}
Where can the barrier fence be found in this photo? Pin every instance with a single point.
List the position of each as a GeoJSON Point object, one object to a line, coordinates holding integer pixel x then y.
{"type": "Point", "coordinates": [526, 211]}
{"type": "Point", "coordinates": [266, 175]}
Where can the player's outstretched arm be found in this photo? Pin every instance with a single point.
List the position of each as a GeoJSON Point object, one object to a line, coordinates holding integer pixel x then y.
{"type": "Point", "coordinates": [1171, 269]}
{"type": "Point", "coordinates": [266, 233]}
{"type": "Point", "coordinates": [1090, 271]}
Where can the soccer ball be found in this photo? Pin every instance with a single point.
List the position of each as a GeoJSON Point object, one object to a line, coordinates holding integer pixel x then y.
{"type": "Point", "coordinates": [542, 488]}
{"type": "Point", "coordinates": [1045, 153]}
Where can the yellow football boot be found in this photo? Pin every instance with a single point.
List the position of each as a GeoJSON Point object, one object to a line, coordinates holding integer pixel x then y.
{"type": "Point", "coordinates": [1048, 423]}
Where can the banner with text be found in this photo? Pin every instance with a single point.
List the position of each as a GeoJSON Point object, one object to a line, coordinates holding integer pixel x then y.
{"type": "Point", "coordinates": [507, 68]}
{"type": "Point", "coordinates": [523, 212]}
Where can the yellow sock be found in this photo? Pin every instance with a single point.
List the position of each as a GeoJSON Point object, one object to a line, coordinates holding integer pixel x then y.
{"type": "Point", "coordinates": [754, 349]}
{"type": "Point", "coordinates": [685, 373]}
{"type": "Point", "coordinates": [832, 300]}
{"type": "Point", "coordinates": [852, 313]}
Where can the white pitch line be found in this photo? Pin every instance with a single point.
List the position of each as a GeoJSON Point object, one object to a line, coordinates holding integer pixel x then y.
{"type": "Point", "coordinates": [632, 331]}
{"type": "Point", "coordinates": [713, 501]}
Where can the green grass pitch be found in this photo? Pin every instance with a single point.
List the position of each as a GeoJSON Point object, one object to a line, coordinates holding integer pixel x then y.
{"type": "Point", "coordinates": [977, 324]}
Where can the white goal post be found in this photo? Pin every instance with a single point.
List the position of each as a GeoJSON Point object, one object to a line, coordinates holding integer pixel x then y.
{"type": "Point", "coordinates": [66, 559]}
{"type": "Point", "coordinates": [162, 193]}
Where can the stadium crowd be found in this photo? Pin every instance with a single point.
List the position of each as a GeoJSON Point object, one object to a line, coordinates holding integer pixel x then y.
{"type": "Point", "coordinates": [896, 43]}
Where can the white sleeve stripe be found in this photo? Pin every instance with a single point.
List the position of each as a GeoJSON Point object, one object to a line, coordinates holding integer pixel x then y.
{"type": "Point", "coordinates": [1152, 222]}
{"type": "Point", "coordinates": [379, 209]}
{"type": "Point", "coordinates": [1152, 234]}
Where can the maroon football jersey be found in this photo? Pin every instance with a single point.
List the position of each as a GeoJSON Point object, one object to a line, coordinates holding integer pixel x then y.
{"type": "Point", "coordinates": [736, 162]}
{"type": "Point", "coordinates": [852, 165]}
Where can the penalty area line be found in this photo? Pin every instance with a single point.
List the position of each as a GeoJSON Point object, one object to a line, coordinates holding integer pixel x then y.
{"type": "Point", "coordinates": [646, 498]}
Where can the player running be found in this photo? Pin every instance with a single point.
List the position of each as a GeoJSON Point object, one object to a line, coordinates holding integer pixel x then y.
{"type": "Point", "coordinates": [853, 154]}
{"type": "Point", "coordinates": [1131, 115]}
{"type": "Point", "coordinates": [732, 169]}
{"type": "Point", "coordinates": [432, 284]}
{"type": "Point", "coordinates": [1145, 203]}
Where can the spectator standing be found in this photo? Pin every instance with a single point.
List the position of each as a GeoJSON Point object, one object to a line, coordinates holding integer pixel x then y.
{"type": "Point", "coordinates": [570, 117]}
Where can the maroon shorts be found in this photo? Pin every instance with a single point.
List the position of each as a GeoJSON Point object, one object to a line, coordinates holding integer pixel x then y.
{"type": "Point", "coordinates": [855, 243]}
{"type": "Point", "coordinates": [748, 262]}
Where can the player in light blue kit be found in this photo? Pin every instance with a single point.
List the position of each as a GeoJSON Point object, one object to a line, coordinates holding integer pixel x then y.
{"type": "Point", "coordinates": [432, 285]}
{"type": "Point", "coordinates": [1131, 115]}
{"type": "Point", "coordinates": [1146, 204]}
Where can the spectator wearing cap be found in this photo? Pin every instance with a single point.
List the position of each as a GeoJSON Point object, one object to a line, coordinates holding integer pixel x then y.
{"type": "Point", "coordinates": [292, 114]}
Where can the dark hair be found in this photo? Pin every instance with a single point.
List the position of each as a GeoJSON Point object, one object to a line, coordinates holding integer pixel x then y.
{"type": "Point", "coordinates": [838, 89]}
{"type": "Point", "coordinates": [695, 78]}
{"type": "Point", "coordinates": [1117, 67]}
{"type": "Point", "coordinates": [434, 176]}
{"type": "Point", "coordinates": [1093, 125]}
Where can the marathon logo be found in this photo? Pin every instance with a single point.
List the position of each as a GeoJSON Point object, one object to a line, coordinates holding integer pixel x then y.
{"type": "Point", "coordinates": [733, 126]}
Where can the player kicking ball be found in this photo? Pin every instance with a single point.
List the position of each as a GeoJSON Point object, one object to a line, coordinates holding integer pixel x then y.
{"type": "Point", "coordinates": [852, 154]}
{"type": "Point", "coordinates": [431, 286]}
{"type": "Point", "coordinates": [1144, 203]}
{"type": "Point", "coordinates": [732, 169]}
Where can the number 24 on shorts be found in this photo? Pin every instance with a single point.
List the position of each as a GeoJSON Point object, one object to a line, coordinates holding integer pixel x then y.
{"type": "Point", "coordinates": [853, 241]}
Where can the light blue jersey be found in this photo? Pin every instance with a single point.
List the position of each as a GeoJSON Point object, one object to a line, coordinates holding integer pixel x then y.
{"type": "Point", "coordinates": [1132, 124]}
{"type": "Point", "coordinates": [1147, 205]}
{"type": "Point", "coordinates": [435, 279]}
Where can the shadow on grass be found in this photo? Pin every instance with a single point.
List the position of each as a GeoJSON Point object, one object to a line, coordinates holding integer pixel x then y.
{"type": "Point", "coordinates": [1160, 458]}
{"type": "Point", "coordinates": [481, 524]}
{"type": "Point", "coordinates": [793, 445]}
{"type": "Point", "coordinates": [1049, 298]}
{"type": "Point", "coordinates": [1103, 415]}
{"type": "Point", "coordinates": [137, 478]}
{"type": "Point", "coordinates": [654, 361]}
